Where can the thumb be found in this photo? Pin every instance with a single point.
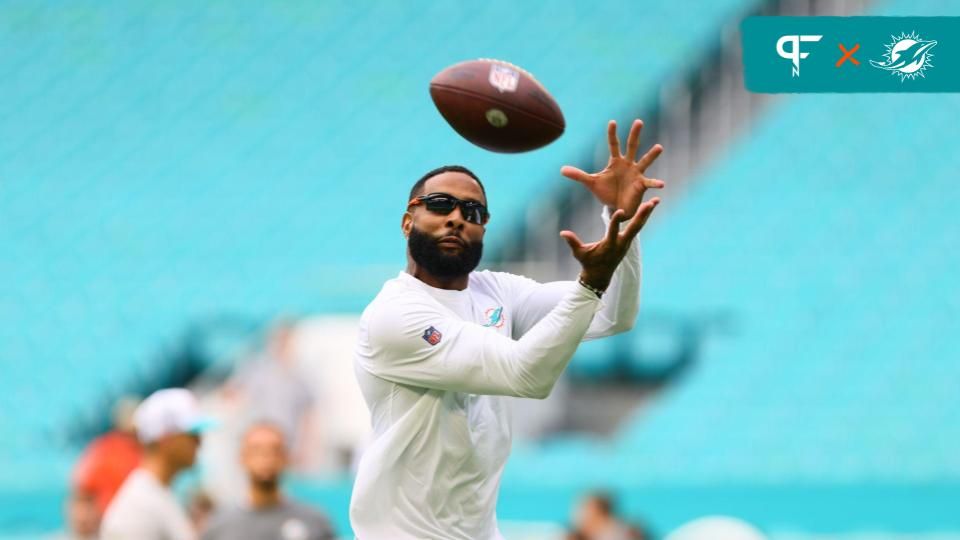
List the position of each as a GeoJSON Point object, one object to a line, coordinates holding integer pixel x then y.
{"type": "Point", "coordinates": [573, 240]}
{"type": "Point", "coordinates": [576, 174]}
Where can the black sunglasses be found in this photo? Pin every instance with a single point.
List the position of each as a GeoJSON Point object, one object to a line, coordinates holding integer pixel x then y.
{"type": "Point", "coordinates": [443, 204]}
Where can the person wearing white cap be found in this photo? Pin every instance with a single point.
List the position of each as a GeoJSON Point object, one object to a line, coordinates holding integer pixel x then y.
{"type": "Point", "coordinates": [168, 424]}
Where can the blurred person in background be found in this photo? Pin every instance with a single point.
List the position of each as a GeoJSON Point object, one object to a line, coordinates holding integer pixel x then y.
{"type": "Point", "coordinates": [271, 388]}
{"type": "Point", "coordinates": [596, 519]}
{"type": "Point", "coordinates": [82, 517]}
{"type": "Point", "coordinates": [108, 459]}
{"type": "Point", "coordinates": [268, 513]}
{"type": "Point", "coordinates": [168, 424]}
{"type": "Point", "coordinates": [200, 508]}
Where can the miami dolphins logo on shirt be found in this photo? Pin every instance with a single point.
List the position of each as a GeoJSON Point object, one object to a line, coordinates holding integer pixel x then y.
{"type": "Point", "coordinates": [494, 317]}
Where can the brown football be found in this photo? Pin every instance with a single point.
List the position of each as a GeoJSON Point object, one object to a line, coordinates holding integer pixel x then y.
{"type": "Point", "coordinates": [497, 105]}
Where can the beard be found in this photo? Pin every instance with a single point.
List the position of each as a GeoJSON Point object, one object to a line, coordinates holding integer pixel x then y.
{"type": "Point", "coordinates": [428, 254]}
{"type": "Point", "coordinates": [265, 483]}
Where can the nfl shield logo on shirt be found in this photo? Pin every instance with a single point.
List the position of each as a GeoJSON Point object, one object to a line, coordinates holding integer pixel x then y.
{"type": "Point", "coordinates": [432, 335]}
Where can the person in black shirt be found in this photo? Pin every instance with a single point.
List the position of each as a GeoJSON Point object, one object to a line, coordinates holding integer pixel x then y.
{"type": "Point", "coordinates": [268, 512]}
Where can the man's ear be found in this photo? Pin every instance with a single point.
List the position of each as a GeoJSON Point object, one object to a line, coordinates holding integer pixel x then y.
{"type": "Point", "coordinates": [406, 224]}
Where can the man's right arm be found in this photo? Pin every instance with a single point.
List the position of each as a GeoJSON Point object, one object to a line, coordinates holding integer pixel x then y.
{"type": "Point", "coordinates": [415, 343]}
{"type": "Point", "coordinates": [411, 341]}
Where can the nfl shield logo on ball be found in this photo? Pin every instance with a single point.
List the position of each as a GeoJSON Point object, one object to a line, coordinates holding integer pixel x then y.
{"type": "Point", "coordinates": [503, 78]}
{"type": "Point", "coordinates": [432, 335]}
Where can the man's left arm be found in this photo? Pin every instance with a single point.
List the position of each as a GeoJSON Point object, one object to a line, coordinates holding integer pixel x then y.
{"type": "Point", "coordinates": [621, 301]}
{"type": "Point", "coordinates": [621, 185]}
{"type": "Point", "coordinates": [619, 304]}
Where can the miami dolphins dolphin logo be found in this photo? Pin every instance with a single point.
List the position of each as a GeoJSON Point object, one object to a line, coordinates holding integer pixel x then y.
{"type": "Point", "coordinates": [908, 56]}
{"type": "Point", "coordinates": [494, 317]}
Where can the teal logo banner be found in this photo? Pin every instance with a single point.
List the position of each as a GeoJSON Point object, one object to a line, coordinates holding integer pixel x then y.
{"type": "Point", "coordinates": [851, 54]}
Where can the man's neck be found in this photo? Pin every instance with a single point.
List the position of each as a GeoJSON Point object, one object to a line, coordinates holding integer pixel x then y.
{"type": "Point", "coordinates": [265, 498]}
{"type": "Point", "coordinates": [159, 469]}
{"type": "Point", "coordinates": [456, 283]}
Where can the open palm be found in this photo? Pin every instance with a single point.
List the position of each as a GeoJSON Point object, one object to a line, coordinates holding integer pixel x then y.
{"type": "Point", "coordinates": [622, 183]}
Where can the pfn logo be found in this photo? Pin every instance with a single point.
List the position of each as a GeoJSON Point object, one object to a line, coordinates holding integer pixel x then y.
{"type": "Point", "coordinates": [794, 53]}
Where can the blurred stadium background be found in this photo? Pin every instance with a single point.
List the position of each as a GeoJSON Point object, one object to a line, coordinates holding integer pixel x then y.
{"type": "Point", "coordinates": [175, 176]}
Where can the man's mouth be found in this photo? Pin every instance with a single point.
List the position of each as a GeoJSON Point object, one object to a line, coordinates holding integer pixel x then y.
{"type": "Point", "coordinates": [451, 241]}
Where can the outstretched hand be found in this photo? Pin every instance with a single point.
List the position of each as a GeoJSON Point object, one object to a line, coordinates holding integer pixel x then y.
{"type": "Point", "coordinates": [622, 183]}
{"type": "Point", "coordinates": [599, 259]}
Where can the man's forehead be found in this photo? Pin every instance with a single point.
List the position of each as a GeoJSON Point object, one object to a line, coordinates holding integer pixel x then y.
{"type": "Point", "coordinates": [263, 433]}
{"type": "Point", "coordinates": [458, 184]}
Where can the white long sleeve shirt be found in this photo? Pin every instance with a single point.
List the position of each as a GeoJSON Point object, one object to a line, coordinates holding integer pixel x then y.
{"type": "Point", "coordinates": [433, 364]}
{"type": "Point", "coordinates": [145, 509]}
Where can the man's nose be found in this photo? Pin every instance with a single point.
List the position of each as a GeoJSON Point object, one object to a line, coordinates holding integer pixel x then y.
{"type": "Point", "coordinates": [455, 218]}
